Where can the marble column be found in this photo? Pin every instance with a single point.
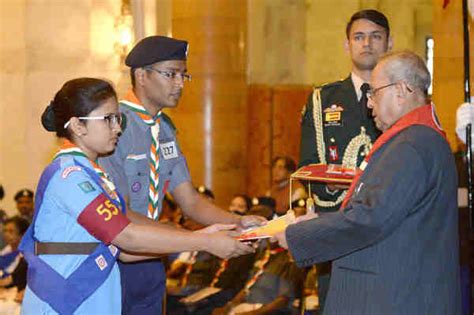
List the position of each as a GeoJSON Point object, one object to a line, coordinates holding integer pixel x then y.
{"type": "Point", "coordinates": [211, 117]}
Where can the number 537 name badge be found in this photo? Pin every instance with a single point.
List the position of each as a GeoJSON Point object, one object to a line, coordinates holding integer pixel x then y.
{"type": "Point", "coordinates": [169, 150]}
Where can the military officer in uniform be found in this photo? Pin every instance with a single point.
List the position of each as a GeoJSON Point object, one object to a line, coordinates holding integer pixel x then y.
{"type": "Point", "coordinates": [337, 127]}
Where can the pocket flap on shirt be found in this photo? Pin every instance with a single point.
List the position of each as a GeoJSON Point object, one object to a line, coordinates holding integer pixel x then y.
{"type": "Point", "coordinates": [136, 157]}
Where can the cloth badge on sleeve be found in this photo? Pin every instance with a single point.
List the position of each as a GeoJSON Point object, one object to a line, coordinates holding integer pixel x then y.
{"type": "Point", "coordinates": [101, 263]}
{"type": "Point", "coordinates": [109, 191]}
{"type": "Point", "coordinates": [333, 115]}
{"type": "Point", "coordinates": [136, 186]}
{"type": "Point", "coordinates": [103, 219]}
{"type": "Point", "coordinates": [169, 150]}
{"type": "Point", "coordinates": [69, 170]}
{"type": "Point", "coordinates": [86, 187]}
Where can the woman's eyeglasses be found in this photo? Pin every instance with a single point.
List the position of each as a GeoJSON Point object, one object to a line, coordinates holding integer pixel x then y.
{"type": "Point", "coordinates": [113, 119]}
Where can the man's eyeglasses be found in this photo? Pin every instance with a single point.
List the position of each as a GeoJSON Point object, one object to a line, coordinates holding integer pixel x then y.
{"type": "Point", "coordinates": [372, 92]}
{"type": "Point", "coordinates": [114, 119]}
{"type": "Point", "coordinates": [172, 75]}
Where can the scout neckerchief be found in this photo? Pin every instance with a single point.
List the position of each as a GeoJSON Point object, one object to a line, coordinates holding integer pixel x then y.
{"type": "Point", "coordinates": [260, 265]}
{"type": "Point", "coordinates": [134, 104]}
{"type": "Point", "coordinates": [222, 267]}
{"type": "Point", "coordinates": [69, 148]}
{"type": "Point", "coordinates": [423, 115]}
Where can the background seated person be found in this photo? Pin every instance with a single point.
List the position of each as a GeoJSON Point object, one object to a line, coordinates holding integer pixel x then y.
{"type": "Point", "coordinates": [25, 203]}
{"type": "Point", "coordinates": [240, 204]}
{"type": "Point", "coordinates": [282, 168]}
{"type": "Point", "coordinates": [230, 275]}
{"type": "Point", "coordinates": [12, 264]}
{"type": "Point", "coordinates": [271, 287]}
{"type": "Point", "coordinates": [191, 270]}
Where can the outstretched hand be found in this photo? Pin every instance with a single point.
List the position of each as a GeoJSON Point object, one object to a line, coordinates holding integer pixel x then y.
{"type": "Point", "coordinates": [222, 245]}
{"type": "Point", "coordinates": [247, 221]}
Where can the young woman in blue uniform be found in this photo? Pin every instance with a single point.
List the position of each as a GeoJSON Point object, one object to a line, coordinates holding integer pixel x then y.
{"type": "Point", "coordinates": [80, 226]}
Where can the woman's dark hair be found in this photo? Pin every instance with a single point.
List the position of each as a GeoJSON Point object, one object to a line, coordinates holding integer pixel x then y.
{"type": "Point", "coordinates": [248, 201]}
{"type": "Point", "coordinates": [290, 164]}
{"type": "Point", "coordinates": [76, 98]}
{"type": "Point", "coordinates": [20, 223]}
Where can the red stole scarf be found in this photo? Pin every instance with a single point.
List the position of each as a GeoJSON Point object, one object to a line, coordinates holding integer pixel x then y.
{"type": "Point", "coordinates": [424, 116]}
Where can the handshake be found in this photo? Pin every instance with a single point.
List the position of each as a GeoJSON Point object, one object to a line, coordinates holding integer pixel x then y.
{"type": "Point", "coordinates": [464, 116]}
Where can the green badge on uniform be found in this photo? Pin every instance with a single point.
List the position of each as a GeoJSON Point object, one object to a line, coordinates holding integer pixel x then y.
{"type": "Point", "coordinates": [86, 187]}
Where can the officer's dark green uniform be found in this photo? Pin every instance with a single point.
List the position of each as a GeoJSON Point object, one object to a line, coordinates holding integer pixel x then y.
{"type": "Point", "coordinates": [335, 129]}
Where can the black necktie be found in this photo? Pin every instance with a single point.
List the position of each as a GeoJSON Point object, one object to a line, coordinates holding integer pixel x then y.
{"type": "Point", "coordinates": [363, 101]}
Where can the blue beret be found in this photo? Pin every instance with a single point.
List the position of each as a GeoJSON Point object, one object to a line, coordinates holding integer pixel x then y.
{"type": "Point", "coordinates": [154, 49]}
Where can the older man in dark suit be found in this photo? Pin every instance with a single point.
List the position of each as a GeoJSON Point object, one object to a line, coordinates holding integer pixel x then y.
{"type": "Point", "coordinates": [394, 241]}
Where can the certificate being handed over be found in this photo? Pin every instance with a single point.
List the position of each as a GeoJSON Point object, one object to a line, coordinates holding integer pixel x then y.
{"type": "Point", "coordinates": [269, 229]}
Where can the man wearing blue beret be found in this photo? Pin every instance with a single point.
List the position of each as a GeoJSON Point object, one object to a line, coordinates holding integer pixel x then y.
{"type": "Point", "coordinates": [148, 162]}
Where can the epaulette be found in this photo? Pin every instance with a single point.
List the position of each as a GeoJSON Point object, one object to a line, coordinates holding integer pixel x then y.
{"type": "Point", "coordinates": [168, 120]}
{"type": "Point", "coordinates": [321, 87]}
{"type": "Point", "coordinates": [329, 85]}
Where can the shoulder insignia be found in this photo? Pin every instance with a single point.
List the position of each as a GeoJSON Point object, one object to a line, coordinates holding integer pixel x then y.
{"type": "Point", "coordinates": [168, 121]}
{"type": "Point", "coordinates": [66, 161]}
{"type": "Point", "coordinates": [331, 84]}
{"type": "Point", "coordinates": [304, 109]}
{"type": "Point", "coordinates": [68, 170]}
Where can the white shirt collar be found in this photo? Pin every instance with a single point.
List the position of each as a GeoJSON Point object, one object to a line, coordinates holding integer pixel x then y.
{"type": "Point", "coordinates": [357, 81]}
